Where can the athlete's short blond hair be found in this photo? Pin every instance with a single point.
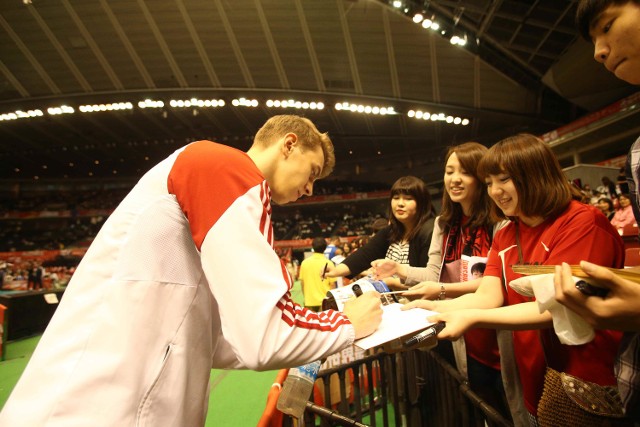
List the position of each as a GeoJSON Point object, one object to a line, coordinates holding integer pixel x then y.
{"type": "Point", "coordinates": [308, 136]}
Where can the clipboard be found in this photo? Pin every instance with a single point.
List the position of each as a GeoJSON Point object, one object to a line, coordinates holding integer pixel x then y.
{"type": "Point", "coordinates": [397, 325]}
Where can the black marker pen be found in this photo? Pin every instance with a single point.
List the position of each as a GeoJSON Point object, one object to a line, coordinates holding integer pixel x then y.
{"type": "Point", "coordinates": [427, 333]}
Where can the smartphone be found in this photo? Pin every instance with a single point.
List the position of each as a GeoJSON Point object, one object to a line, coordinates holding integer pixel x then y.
{"type": "Point", "coordinates": [590, 290]}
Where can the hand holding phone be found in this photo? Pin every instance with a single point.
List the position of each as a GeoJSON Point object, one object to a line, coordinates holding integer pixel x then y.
{"type": "Point", "coordinates": [591, 290]}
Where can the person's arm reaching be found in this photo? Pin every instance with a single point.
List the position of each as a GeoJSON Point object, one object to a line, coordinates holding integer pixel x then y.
{"type": "Point", "coordinates": [375, 248]}
{"type": "Point", "coordinates": [430, 273]}
{"type": "Point", "coordinates": [339, 270]}
{"type": "Point", "coordinates": [513, 317]}
{"type": "Point", "coordinates": [488, 295]}
{"type": "Point", "coordinates": [411, 275]}
{"type": "Point", "coordinates": [434, 290]}
{"type": "Point", "coordinates": [395, 284]}
{"type": "Point", "coordinates": [383, 268]}
{"type": "Point", "coordinates": [482, 309]}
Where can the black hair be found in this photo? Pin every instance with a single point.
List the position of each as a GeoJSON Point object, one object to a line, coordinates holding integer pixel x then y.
{"type": "Point", "coordinates": [589, 10]}
{"type": "Point", "coordinates": [319, 244]}
{"type": "Point", "coordinates": [478, 267]}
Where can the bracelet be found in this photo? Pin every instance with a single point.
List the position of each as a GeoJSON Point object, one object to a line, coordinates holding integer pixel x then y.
{"type": "Point", "coordinates": [443, 293]}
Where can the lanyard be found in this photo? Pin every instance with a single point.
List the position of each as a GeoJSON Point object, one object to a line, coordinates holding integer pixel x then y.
{"type": "Point", "coordinates": [520, 257]}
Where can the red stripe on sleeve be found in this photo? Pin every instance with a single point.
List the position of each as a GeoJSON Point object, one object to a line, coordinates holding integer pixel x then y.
{"type": "Point", "coordinates": [295, 315]}
{"type": "Point", "coordinates": [286, 275]}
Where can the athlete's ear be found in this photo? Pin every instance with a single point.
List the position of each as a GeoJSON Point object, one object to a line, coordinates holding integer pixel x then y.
{"type": "Point", "coordinates": [290, 141]}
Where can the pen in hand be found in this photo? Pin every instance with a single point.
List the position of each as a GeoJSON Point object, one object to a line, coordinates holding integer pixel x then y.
{"type": "Point", "coordinates": [427, 333]}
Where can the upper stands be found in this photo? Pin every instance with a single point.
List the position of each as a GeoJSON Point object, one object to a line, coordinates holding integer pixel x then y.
{"type": "Point", "coordinates": [46, 217]}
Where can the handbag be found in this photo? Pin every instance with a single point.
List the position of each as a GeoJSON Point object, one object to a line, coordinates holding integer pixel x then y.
{"type": "Point", "coordinates": [568, 400]}
{"type": "Point", "coordinates": [572, 401]}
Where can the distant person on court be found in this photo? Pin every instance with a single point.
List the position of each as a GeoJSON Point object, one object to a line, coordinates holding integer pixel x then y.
{"type": "Point", "coordinates": [314, 285]}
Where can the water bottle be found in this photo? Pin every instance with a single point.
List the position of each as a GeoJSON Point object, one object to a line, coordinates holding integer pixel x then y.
{"type": "Point", "coordinates": [297, 389]}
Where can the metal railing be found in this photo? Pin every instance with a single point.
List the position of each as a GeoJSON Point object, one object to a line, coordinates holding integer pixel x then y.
{"type": "Point", "coordinates": [412, 388]}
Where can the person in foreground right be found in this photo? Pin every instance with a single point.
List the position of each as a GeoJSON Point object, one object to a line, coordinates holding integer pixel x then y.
{"type": "Point", "coordinates": [614, 28]}
{"type": "Point", "coordinates": [526, 182]}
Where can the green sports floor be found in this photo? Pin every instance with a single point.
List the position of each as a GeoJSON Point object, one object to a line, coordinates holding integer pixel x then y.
{"type": "Point", "coordinates": [237, 398]}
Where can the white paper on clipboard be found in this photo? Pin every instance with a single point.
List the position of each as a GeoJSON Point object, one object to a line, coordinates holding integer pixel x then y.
{"type": "Point", "coordinates": [395, 324]}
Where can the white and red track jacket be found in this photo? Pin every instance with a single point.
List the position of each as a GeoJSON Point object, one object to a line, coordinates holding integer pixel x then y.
{"type": "Point", "coordinates": [181, 278]}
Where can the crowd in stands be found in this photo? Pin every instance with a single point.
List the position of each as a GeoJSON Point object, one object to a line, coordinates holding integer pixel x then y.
{"type": "Point", "coordinates": [57, 220]}
{"type": "Point", "coordinates": [613, 200]}
{"type": "Point", "coordinates": [345, 220]}
{"type": "Point", "coordinates": [49, 233]}
{"type": "Point", "coordinates": [61, 222]}
{"type": "Point", "coordinates": [33, 276]}
{"type": "Point", "coordinates": [63, 219]}
{"type": "Point", "coordinates": [328, 186]}
{"type": "Point", "coordinates": [54, 219]}
{"type": "Point", "coordinates": [59, 200]}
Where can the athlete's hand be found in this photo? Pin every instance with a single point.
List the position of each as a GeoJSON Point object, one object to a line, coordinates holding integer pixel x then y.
{"type": "Point", "coordinates": [364, 313]}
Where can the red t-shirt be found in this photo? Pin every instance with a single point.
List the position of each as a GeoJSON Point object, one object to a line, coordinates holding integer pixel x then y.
{"type": "Point", "coordinates": [579, 233]}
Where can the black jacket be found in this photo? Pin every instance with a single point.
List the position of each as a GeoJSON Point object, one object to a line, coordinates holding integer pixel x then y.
{"type": "Point", "coordinates": [377, 246]}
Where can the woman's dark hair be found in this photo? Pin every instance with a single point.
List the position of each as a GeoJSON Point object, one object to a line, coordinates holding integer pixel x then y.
{"type": "Point", "coordinates": [608, 202]}
{"type": "Point", "coordinates": [543, 190]}
{"type": "Point", "coordinates": [415, 187]}
{"type": "Point", "coordinates": [469, 155]}
{"type": "Point", "coordinates": [625, 195]}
